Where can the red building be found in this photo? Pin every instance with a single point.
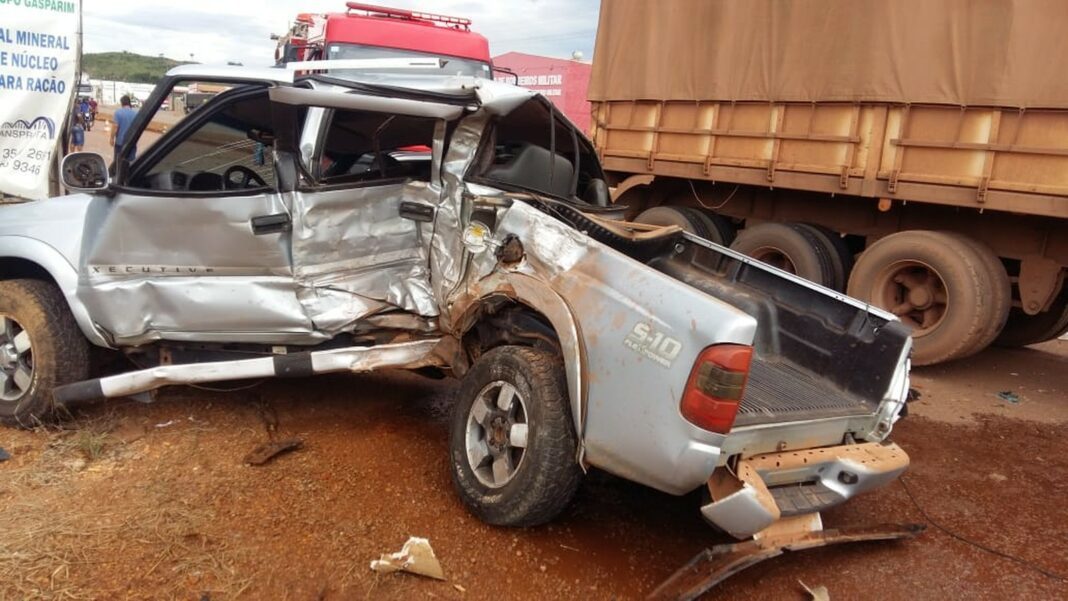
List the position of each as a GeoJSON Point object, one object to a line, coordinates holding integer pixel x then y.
{"type": "Point", "coordinates": [563, 81]}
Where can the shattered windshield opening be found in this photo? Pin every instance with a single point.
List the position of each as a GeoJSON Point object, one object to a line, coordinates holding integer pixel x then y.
{"type": "Point", "coordinates": [534, 148]}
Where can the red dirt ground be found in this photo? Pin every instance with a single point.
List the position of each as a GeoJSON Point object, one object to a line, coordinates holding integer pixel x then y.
{"type": "Point", "coordinates": [153, 501]}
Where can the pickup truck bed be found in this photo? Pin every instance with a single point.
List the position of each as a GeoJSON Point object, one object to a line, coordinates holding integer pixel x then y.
{"type": "Point", "coordinates": [818, 354]}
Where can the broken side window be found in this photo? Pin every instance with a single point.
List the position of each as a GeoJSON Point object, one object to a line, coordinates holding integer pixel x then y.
{"type": "Point", "coordinates": [363, 146]}
{"type": "Point", "coordinates": [535, 148]}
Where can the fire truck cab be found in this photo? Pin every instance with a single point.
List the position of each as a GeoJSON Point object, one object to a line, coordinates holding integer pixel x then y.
{"type": "Point", "coordinates": [367, 31]}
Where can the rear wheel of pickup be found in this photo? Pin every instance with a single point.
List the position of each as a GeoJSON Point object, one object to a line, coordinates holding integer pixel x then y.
{"type": "Point", "coordinates": [711, 227]}
{"type": "Point", "coordinates": [512, 441]}
{"type": "Point", "coordinates": [41, 347]}
{"type": "Point", "coordinates": [937, 284]}
{"type": "Point", "coordinates": [792, 247]}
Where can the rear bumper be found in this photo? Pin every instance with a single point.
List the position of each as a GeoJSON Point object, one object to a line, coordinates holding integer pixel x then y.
{"type": "Point", "coordinates": [766, 487]}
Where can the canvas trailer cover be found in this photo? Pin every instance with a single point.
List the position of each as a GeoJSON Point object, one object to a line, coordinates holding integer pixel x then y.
{"type": "Point", "coordinates": [952, 102]}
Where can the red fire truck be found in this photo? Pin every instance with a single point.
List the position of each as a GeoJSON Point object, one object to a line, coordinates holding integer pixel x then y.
{"type": "Point", "coordinates": [366, 31]}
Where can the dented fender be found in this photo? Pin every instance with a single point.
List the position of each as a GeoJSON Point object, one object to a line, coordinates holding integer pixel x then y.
{"type": "Point", "coordinates": [64, 274]}
{"type": "Point", "coordinates": [539, 296]}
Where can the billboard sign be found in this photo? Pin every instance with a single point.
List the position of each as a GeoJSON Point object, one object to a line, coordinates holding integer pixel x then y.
{"type": "Point", "coordinates": [39, 51]}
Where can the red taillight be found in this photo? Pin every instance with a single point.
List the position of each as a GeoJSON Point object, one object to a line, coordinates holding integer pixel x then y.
{"type": "Point", "coordinates": [715, 387]}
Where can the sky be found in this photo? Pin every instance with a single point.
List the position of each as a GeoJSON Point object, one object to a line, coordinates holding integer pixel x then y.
{"type": "Point", "coordinates": [218, 31]}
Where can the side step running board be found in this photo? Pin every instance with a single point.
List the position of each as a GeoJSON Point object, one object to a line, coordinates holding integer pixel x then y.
{"type": "Point", "coordinates": [295, 365]}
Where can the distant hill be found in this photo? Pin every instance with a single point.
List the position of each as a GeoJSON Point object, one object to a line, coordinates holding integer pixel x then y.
{"type": "Point", "coordinates": [127, 66]}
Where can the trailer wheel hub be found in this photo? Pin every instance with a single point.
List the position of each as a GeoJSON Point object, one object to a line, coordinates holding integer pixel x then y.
{"type": "Point", "coordinates": [920, 298]}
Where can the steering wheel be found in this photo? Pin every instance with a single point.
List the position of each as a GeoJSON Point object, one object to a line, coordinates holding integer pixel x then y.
{"type": "Point", "coordinates": [247, 176]}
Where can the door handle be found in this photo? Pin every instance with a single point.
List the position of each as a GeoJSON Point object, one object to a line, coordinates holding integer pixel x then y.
{"type": "Point", "coordinates": [416, 211]}
{"type": "Point", "coordinates": [271, 224]}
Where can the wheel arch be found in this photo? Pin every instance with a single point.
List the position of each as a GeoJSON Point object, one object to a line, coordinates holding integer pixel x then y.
{"type": "Point", "coordinates": [28, 258]}
{"type": "Point", "coordinates": [533, 296]}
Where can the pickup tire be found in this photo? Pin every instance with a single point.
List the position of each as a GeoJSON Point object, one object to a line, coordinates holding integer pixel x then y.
{"type": "Point", "coordinates": [709, 226]}
{"type": "Point", "coordinates": [512, 441]}
{"type": "Point", "coordinates": [792, 247]}
{"type": "Point", "coordinates": [41, 347]}
{"type": "Point", "coordinates": [937, 284]}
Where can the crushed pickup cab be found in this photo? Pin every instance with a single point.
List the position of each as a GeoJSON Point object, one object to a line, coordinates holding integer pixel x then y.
{"type": "Point", "coordinates": [295, 226]}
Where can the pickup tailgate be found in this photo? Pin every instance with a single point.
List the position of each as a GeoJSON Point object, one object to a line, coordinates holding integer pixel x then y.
{"type": "Point", "coordinates": [818, 354]}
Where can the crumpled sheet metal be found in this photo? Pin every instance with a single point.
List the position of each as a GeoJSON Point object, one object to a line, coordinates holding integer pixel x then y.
{"type": "Point", "coordinates": [143, 262]}
{"type": "Point", "coordinates": [138, 311]}
{"type": "Point", "coordinates": [354, 257]}
{"type": "Point", "coordinates": [447, 253]}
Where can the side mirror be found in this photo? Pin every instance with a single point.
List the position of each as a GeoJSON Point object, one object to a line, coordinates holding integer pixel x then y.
{"type": "Point", "coordinates": [85, 172]}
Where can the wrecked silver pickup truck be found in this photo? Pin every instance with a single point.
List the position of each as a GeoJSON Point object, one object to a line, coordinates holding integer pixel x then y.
{"type": "Point", "coordinates": [295, 226]}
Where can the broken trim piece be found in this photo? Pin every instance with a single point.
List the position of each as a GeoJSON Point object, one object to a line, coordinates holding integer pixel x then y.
{"type": "Point", "coordinates": [351, 359]}
{"type": "Point", "coordinates": [766, 487]}
{"type": "Point", "coordinates": [712, 566]}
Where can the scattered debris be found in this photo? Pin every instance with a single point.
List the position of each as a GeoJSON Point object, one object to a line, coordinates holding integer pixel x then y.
{"type": "Point", "coordinates": [819, 593]}
{"type": "Point", "coordinates": [712, 566]}
{"type": "Point", "coordinates": [459, 588]}
{"type": "Point", "coordinates": [1009, 396]}
{"type": "Point", "coordinates": [996, 477]}
{"type": "Point", "coordinates": [166, 424]}
{"type": "Point", "coordinates": [4, 455]}
{"type": "Point", "coordinates": [415, 557]}
{"type": "Point", "coordinates": [269, 450]}
{"type": "Point", "coordinates": [568, 548]}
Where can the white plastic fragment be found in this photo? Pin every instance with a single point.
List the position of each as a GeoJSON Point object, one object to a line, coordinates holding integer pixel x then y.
{"type": "Point", "coordinates": [819, 593]}
{"type": "Point", "coordinates": [415, 557]}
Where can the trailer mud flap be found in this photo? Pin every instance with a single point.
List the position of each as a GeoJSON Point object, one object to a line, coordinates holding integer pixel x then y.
{"type": "Point", "coordinates": [712, 566]}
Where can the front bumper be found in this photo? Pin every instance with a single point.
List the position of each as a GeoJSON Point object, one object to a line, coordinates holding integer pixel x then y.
{"type": "Point", "coordinates": [763, 488]}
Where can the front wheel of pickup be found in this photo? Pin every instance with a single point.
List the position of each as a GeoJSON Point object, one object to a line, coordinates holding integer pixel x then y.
{"type": "Point", "coordinates": [41, 347]}
{"type": "Point", "coordinates": [512, 440]}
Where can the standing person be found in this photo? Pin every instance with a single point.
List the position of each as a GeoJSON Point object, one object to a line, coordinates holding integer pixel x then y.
{"type": "Point", "coordinates": [83, 108]}
{"type": "Point", "coordinates": [123, 119]}
{"type": "Point", "coordinates": [92, 112]}
{"type": "Point", "coordinates": [77, 132]}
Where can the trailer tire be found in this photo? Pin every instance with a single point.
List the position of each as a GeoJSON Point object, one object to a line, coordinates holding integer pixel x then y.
{"type": "Point", "coordinates": [41, 347]}
{"type": "Point", "coordinates": [711, 227]}
{"type": "Point", "coordinates": [936, 283]}
{"type": "Point", "coordinates": [841, 257]}
{"type": "Point", "coordinates": [792, 247]}
{"type": "Point", "coordinates": [1022, 329]}
{"type": "Point", "coordinates": [1000, 292]}
{"type": "Point", "coordinates": [505, 476]}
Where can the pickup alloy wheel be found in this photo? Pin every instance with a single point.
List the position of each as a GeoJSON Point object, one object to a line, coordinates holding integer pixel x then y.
{"type": "Point", "coordinates": [496, 434]}
{"type": "Point", "coordinates": [16, 360]}
{"type": "Point", "coordinates": [41, 347]}
{"type": "Point", "coordinates": [512, 440]}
